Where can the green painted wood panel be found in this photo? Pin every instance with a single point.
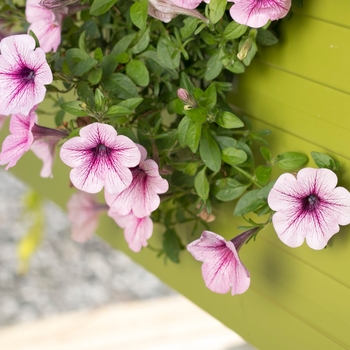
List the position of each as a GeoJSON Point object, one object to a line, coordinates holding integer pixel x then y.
{"type": "Point", "coordinates": [299, 298]}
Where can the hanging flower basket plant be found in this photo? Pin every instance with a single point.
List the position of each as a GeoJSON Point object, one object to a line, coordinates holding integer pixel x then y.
{"type": "Point", "coordinates": [165, 119]}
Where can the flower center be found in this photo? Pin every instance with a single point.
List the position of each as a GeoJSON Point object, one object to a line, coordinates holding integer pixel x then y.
{"type": "Point", "coordinates": [311, 202]}
{"type": "Point", "coordinates": [27, 74]}
{"type": "Point", "coordinates": [102, 150]}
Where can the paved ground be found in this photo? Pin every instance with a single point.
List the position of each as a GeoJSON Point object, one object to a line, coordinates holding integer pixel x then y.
{"type": "Point", "coordinates": [64, 275]}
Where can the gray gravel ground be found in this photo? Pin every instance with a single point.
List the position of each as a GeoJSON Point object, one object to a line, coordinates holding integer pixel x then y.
{"type": "Point", "coordinates": [63, 275]}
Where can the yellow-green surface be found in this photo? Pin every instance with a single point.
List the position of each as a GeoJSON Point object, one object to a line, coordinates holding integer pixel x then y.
{"type": "Point", "coordinates": [299, 298]}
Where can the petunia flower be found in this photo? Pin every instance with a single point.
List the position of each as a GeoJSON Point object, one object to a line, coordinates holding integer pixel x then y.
{"type": "Point", "coordinates": [141, 196]}
{"type": "Point", "coordinates": [45, 151]}
{"type": "Point", "coordinates": [222, 269]}
{"type": "Point", "coordinates": [45, 23]}
{"type": "Point", "coordinates": [23, 74]}
{"type": "Point", "coordinates": [84, 212]}
{"type": "Point", "coordinates": [256, 13]}
{"type": "Point", "coordinates": [100, 158]}
{"type": "Point", "coordinates": [24, 131]}
{"type": "Point", "coordinates": [308, 206]}
{"type": "Point", "coordinates": [136, 230]}
{"type": "Point", "coordinates": [166, 10]}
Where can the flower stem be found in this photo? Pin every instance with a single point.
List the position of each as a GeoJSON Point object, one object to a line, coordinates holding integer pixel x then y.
{"type": "Point", "coordinates": [250, 177]}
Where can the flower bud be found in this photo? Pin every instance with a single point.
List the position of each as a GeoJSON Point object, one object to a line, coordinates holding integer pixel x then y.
{"type": "Point", "coordinates": [243, 52]}
{"type": "Point", "coordinates": [186, 98]}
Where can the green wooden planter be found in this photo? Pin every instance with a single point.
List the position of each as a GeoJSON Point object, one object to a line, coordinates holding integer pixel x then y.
{"type": "Point", "coordinates": [299, 298]}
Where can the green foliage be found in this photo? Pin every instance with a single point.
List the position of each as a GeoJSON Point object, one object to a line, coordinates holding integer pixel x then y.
{"type": "Point", "coordinates": [123, 67]}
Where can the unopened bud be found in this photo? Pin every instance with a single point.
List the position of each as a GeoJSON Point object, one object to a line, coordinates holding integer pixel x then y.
{"type": "Point", "coordinates": [243, 52]}
{"type": "Point", "coordinates": [186, 98]}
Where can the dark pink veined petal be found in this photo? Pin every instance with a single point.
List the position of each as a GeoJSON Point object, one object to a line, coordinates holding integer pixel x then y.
{"type": "Point", "coordinates": [23, 74]}
{"type": "Point", "coordinates": [187, 4]}
{"type": "Point", "coordinates": [20, 139]}
{"type": "Point", "coordinates": [83, 213]}
{"type": "Point", "coordinates": [141, 196]}
{"type": "Point", "coordinates": [45, 151]}
{"type": "Point", "coordinates": [309, 207]}
{"type": "Point", "coordinates": [256, 13]}
{"type": "Point", "coordinates": [100, 158]}
{"type": "Point", "coordinates": [136, 230]}
{"type": "Point", "coordinates": [222, 268]}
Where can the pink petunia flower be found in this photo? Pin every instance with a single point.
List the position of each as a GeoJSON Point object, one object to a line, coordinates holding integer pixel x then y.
{"type": "Point", "coordinates": [256, 13]}
{"type": "Point", "coordinates": [45, 151]}
{"type": "Point", "coordinates": [141, 196]}
{"type": "Point", "coordinates": [166, 10]}
{"type": "Point", "coordinates": [308, 206]}
{"type": "Point", "coordinates": [20, 139]}
{"type": "Point", "coordinates": [84, 212]}
{"type": "Point", "coordinates": [100, 158]}
{"type": "Point", "coordinates": [136, 230]}
{"type": "Point", "coordinates": [23, 74]}
{"type": "Point", "coordinates": [24, 131]}
{"type": "Point", "coordinates": [222, 269]}
{"type": "Point", "coordinates": [45, 23]}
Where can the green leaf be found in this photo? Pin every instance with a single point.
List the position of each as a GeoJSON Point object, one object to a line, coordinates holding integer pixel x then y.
{"type": "Point", "coordinates": [193, 135]}
{"type": "Point", "coordinates": [182, 130]}
{"type": "Point", "coordinates": [74, 108]}
{"type": "Point", "coordinates": [138, 13]}
{"type": "Point", "coordinates": [98, 54]}
{"type": "Point", "coordinates": [172, 245]}
{"type": "Point", "coordinates": [238, 67]}
{"type": "Point", "coordinates": [217, 9]}
{"type": "Point", "coordinates": [228, 189]}
{"type": "Point", "coordinates": [142, 40]}
{"type": "Point", "coordinates": [185, 82]}
{"type": "Point", "coordinates": [123, 44]}
{"type": "Point", "coordinates": [214, 66]}
{"type": "Point", "coordinates": [225, 141]}
{"type": "Point", "coordinates": [99, 7]}
{"type": "Point", "coordinates": [264, 192]}
{"type": "Point", "coordinates": [137, 72]}
{"type": "Point", "coordinates": [228, 120]}
{"type": "Point", "coordinates": [84, 66]}
{"type": "Point", "coordinates": [121, 86]}
{"type": "Point", "coordinates": [116, 111]}
{"type": "Point", "coordinates": [76, 55]}
{"type": "Point", "coordinates": [99, 100]}
{"type": "Point", "coordinates": [95, 76]}
{"type": "Point", "coordinates": [198, 115]}
{"type": "Point", "coordinates": [233, 156]}
{"type": "Point", "coordinates": [201, 185]}
{"type": "Point", "coordinates": [234, 30]}
{"type": "Point", "coordinates": [208, 99]}
{"type": "Point", "coordinates": [266, 38]}
{"type": "Point", "coordinates": [109, 64]}
{"type": "Point", "coordinates": [59, 117]}
{"type": "Point", "coordinates": [265, 153]}
{"type": "Point", "coordinates": [324, 161]}
{"type": "Point", "coordinates": [209, 151]}
{"type": "Point", "coordinates": [263, 173]}
{"type": "Point", "coordinates": [249, 202]}
{"type": "Point", "coordinates": [290, 160]}
{"type": "Point", "coordinates": [167, 54]}
{"type": "Point", "coordinates": [131, 103]}
{"type": "Point", "coordinates": [190, 25]}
